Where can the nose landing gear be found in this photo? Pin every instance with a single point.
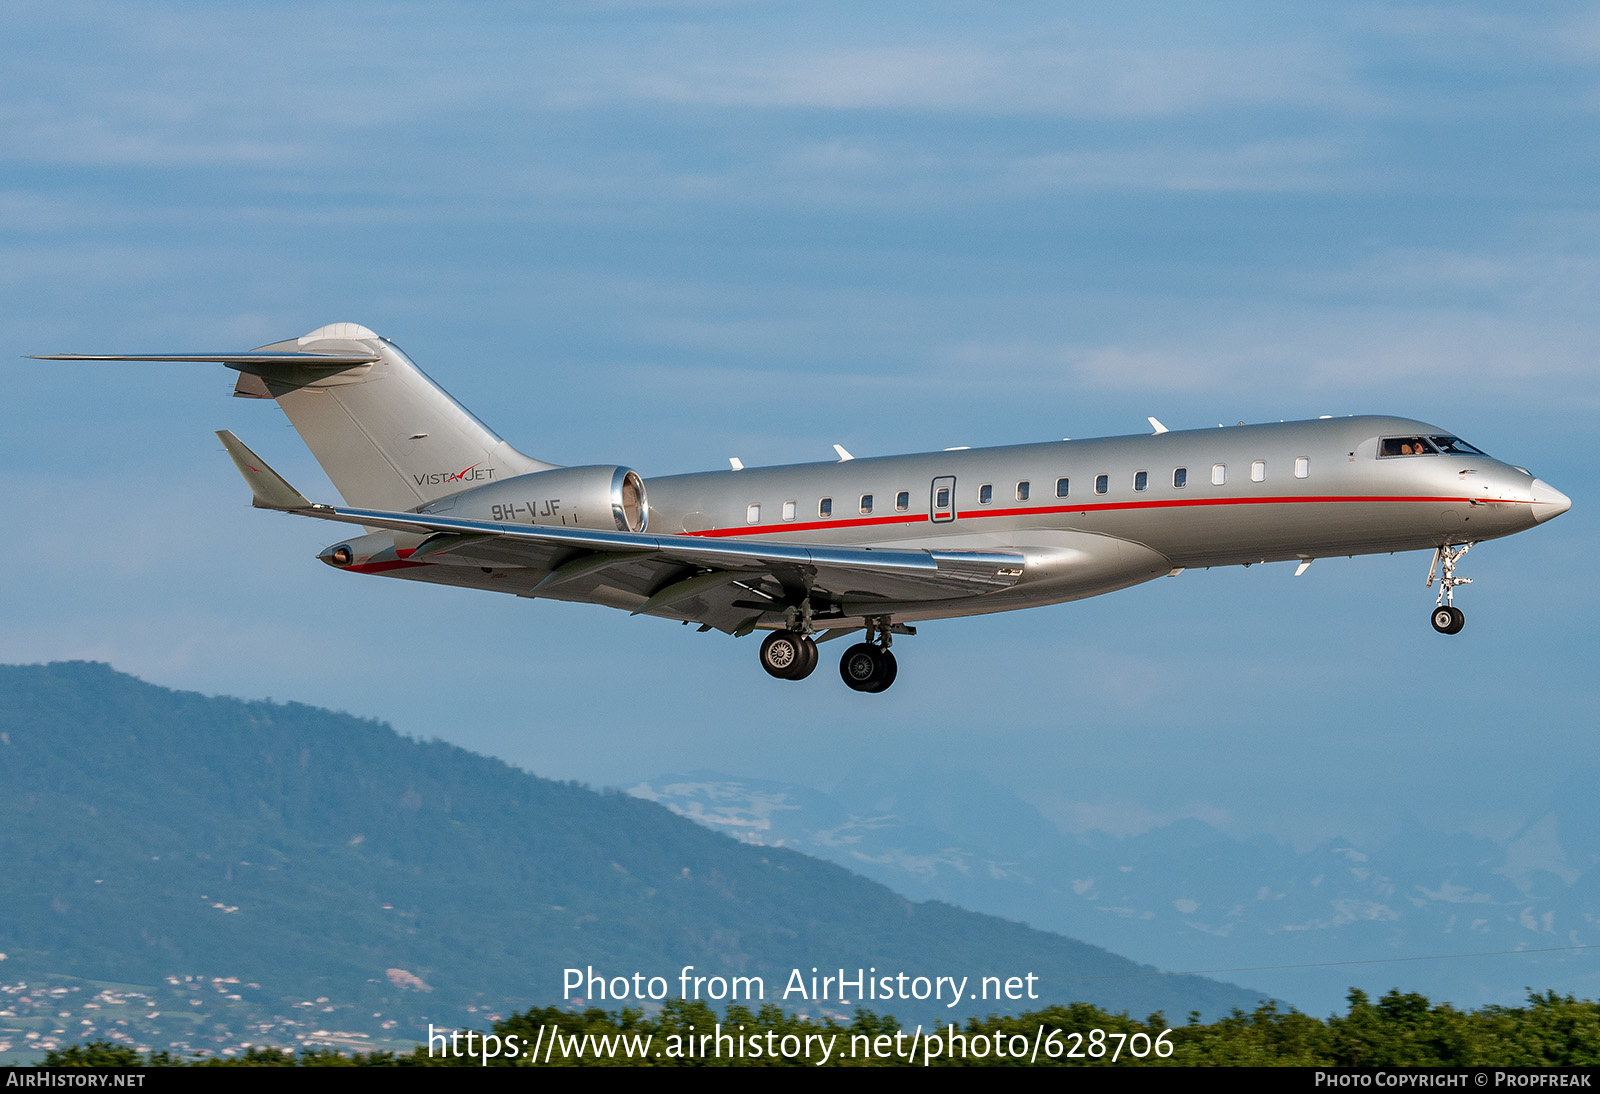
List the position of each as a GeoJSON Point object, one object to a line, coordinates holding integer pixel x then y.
{"type": "Point", "coordinates": [1447, 618]}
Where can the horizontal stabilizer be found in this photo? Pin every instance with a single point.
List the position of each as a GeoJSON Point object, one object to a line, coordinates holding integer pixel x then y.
{"type": "Point", "coordinates": [267, 488]}
{"type": "Point", "coordinates": [333, 361]}
{"type": "Point", "coordinates": [387, 435]}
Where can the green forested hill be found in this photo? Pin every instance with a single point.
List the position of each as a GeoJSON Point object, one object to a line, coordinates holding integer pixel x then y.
{"type": "Point", "coordinates": [146, 833]}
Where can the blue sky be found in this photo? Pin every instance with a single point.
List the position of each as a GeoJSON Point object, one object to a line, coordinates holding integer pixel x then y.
{"type": "Point", "coordinates": [662, 234]}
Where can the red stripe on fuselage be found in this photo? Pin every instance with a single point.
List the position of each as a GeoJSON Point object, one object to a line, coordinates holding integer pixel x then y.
{"type": "Point", "coordinates": [811, 526]}
{"type": "Point", "coordinates": [1049, 510]}
{"type": "Point", "coordinates": [1033, 511]}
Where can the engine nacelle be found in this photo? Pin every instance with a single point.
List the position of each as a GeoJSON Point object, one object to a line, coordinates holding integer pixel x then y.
{"type": "Point", "coordinates": [609, 499]}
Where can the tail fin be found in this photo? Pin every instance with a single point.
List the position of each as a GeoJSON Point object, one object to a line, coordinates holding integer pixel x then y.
{"type": "Point", "coordinates": [388, 437]}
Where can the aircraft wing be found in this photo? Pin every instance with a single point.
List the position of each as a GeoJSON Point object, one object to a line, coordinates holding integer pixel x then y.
{"type": "Point", "coordinates": [732, 586]}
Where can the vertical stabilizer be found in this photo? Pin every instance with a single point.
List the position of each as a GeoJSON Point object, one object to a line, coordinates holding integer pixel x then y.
{"type": "Point", "coordinates": [387, 435]}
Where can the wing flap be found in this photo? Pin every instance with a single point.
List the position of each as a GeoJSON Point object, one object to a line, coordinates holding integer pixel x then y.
{"type": "Point", "coordinates": [926, 574]}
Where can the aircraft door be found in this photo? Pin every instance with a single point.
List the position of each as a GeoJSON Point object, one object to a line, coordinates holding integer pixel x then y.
{"type": "Point", "coordinates": [942, 499]}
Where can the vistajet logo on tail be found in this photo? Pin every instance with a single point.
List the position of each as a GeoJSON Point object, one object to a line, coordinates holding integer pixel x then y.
{"type": "Point", "coordinates": [470, 474]}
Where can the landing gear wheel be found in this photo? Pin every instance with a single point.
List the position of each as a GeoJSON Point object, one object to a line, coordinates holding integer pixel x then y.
{"type": "Point", "coordinates": [1449, 620]}
{"type": "Point", "coordinates": [890, 670]}
{"type": "Point", "coordinates": [783, 654]}
{"type": "Point", "coordinates": [867, 668]}
{"type": "Point", "coordinates": [808, 662]}
{"type": "Point", "coordinates": [859, 666]}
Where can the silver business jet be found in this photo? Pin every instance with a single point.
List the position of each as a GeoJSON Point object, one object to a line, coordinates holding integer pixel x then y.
{"type": "Point", "coordinates": [813, 552]}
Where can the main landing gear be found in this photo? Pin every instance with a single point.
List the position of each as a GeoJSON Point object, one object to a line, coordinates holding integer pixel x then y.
{"type": "Point", "coordinates": [869, 666]}
{"type": "Point", "coordinates": [1447, 618]}
{"type": "Point", "coordinates": [789, 655]}
{"type": "Point", "coordinates": [866, 666]}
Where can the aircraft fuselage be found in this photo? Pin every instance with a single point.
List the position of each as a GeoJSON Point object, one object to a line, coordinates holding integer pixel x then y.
{"type": "Point", "coordinates": [1140, 506]}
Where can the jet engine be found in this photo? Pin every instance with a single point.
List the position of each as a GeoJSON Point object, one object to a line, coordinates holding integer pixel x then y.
{"type": "Point", "coordinates": [610, 499]}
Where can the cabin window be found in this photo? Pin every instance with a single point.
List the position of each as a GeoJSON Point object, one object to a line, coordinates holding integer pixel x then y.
{"type": "Point", "coordinates": [1258, 471]}
{"type": "Point", "coordinates": [902, 501]}
{"type": "Point", "coordinates": [1102, 483]}
{"type": "Point", "coordinates": [942, 498]}
{"type": "Point", "coordinates": [1180, 477]}
{"type": "Point", "coordinates": [866, 503]}
{"type": "Point", "coordinates": [825, 507]}
{"type": "Point", "coordinates": [1141, 479]}
{"type": "Point", "coordinates": [1022, 491]}
{"type": "Point", "coordinates": [1302, 467]}
{"type": "Point", "coordinates": [789, 510]}
{"type": "Point", "coordinates": [985, 494]}
{"type": "Point", "coordinates": [1219, 474]}
{"type": "Point", "coordinates": [1061, 488]}
{"type": "Point", "coordinates": [752, 514]}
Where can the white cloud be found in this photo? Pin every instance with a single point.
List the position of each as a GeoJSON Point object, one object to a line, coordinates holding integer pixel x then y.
{"type": "Point", "coordinates": [1087, 76]}
{"type": "Point", "coordinates": [1537, 35]}
{"type": "Point", "coordinates": [1335, 356]}
{"type": "Point", "coordinates": [1263, 165]}
{"type": "Point", "coordinates": [1451, 893]}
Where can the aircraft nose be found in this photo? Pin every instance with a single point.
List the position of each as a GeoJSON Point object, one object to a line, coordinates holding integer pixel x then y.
{"type": "Point", "coordinates": [1548, 501]}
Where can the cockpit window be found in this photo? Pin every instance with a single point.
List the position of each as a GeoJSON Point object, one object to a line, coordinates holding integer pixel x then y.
{"type": "Point", "coordinates": [1455, 446]}
{"type": "Point", "coordinates": [1405, 446]}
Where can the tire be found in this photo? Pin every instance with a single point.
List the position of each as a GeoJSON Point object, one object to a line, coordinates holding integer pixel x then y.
{"type": "Point", "coordinates": [782, 653]}
{"type": "Point", "coordinates": [861, 667]}
{"type": "Point", "coordinates": [1449, 620]}
{"type": "Point", "coordinates": [808, 661]}
{"type": "Point", "coordinates": [890, 671]}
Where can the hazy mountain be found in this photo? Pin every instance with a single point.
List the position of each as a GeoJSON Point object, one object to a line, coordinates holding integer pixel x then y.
{"type": "Point", "coordinates": [315, 857]}
{"type": "Point", "coordinates": [1188, 896]}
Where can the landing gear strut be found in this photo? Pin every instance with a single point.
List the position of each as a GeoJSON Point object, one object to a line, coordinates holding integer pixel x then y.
{"type": "Point", "coordinates": [868, 667]}
{"type": "Point", "coordinates": [1447, 618]}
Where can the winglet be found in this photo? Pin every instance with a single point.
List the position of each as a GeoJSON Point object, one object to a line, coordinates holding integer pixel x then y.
{"type": "Point", "coordinates": [267, 488]}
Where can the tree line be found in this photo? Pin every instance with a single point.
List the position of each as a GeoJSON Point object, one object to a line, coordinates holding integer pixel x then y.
{"type": "Point", "coordinates": [1400, 1029]}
